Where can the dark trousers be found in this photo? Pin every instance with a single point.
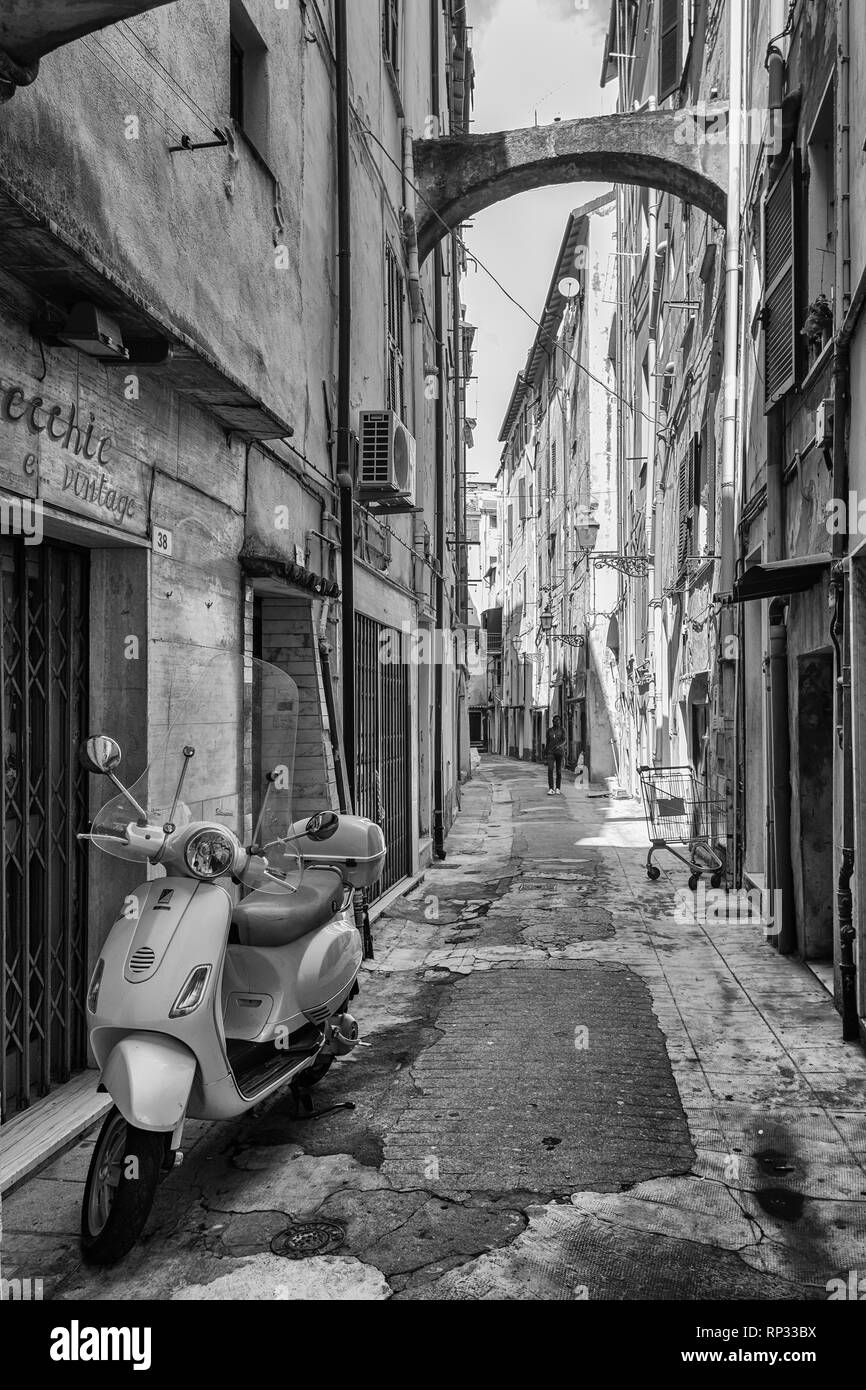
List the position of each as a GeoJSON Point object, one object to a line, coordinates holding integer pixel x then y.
{"type": "Point", "coordinates": [554, 762]}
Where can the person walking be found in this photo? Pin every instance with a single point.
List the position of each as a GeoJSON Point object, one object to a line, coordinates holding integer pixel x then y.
{"type": "Point", "coordinates": [555, 750]}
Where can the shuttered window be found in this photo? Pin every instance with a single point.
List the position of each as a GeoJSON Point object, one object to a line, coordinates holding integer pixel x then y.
{"type": "Point", "coordinates": [395, 293]}
{"type": "Point", "coordinates": [780, 284]}
{"type": "Point", "coordinates": [391, 33]}
{"type": "Point", "coordinates": [670, 47]}
{"type": "Point", "coordinates": [684, 497]}
{"type": "Point", "coordinates": [521, 498]}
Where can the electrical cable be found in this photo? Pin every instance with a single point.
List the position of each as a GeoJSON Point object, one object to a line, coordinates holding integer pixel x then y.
{"type": "Point", "coordinates": [149, 57]}
{"type": "Point", "coordinates": [97, 50]}
{"type": "Point", "coordinates": [489, 273]}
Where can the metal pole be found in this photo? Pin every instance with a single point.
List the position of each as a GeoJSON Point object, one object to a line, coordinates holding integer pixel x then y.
{"type": "Point", "coordinates": [344, 365]}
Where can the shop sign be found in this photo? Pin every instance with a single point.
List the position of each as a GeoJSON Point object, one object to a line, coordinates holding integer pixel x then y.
{"type": "Point", "coordinates": [66, 460]}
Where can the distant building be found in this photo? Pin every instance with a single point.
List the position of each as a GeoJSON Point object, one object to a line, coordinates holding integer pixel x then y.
{"type": "Point", "coordinates": [559, 505]}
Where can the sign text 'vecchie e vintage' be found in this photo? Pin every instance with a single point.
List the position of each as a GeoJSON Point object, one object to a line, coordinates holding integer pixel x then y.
{"type": "Point", "coordinates": [84, 473]}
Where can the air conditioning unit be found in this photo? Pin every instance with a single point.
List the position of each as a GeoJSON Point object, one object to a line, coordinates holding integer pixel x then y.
{"type": "Point", "coordinates": [386, 466]}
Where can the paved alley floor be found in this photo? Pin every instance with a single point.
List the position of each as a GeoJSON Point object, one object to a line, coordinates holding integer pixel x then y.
{"type": "Point", "coordinates": [575, 1090]}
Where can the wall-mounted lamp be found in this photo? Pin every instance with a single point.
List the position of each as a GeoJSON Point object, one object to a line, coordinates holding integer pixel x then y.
{"type": "Point", "coordinates": [546, 621]}
{"type": "Point", "coordinates": [91, 330]}
{"type": "Point", "coordinates": [587, 535]}
{"type": "Point", "coordinates": [776, 71]}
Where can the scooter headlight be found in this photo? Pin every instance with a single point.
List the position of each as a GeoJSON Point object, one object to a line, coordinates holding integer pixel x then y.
{"type": "Point", "coordinates": [210, 854]}
{"type": "Point", "coordinates": [96, 981]}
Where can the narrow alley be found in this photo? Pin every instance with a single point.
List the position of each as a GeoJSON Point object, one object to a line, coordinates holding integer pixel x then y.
{"type": "Point", "coordinates": [571, 1092]}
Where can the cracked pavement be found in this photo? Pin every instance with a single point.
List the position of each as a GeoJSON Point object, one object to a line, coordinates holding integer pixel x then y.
{"type": "Point", "coordinates": [573, 1092]}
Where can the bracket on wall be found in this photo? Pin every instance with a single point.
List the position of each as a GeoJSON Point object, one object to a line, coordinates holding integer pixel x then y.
{"type": "Point", "coordinates": [187, 146]}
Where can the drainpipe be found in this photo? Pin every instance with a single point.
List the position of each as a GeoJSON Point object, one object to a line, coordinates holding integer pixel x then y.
{"type": "Point", "coordinates": [410, 227]}
{"type": "Point", "coordinates": [784, 874]}
{"type": "Point", "coordinates": [840, 587]}
{"type": "Point", "coordinates": [654, 514]}
{"type": "Point", "coordinates": [344, 365]}
{"type": "Point", "coordinates": [458, 424]}
{"type": "Point", "coordinates": [441, 423]}
{"type": "Point", "coordinates": [729, 430]}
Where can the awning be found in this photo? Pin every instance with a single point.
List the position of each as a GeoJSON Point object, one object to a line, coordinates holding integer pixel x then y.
{"type": "Point", "coordinates": [699, 689]}
{"type": "Point", "coordinates": [780, 577]}
{"type": "Point", "coordinates": [285, 572]}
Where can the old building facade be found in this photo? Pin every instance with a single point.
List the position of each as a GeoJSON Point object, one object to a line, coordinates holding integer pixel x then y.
{"type": "Point", "coordinates": [170, 375]}
{"type": "Point", "coordinates": [559, 516]}
{"type": "Point", "coordinates": [738, 363]}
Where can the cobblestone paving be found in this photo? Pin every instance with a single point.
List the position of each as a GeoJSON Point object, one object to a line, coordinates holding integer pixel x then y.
{"type": "Point", "coordinates": [575, 1090]}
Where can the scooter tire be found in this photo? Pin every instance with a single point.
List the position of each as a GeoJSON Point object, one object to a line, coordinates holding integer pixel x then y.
{"type": "Point", "coordinates": [108, 1235]}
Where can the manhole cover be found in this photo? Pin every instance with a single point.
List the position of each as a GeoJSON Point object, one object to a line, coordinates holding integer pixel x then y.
{"type": "Point", "coordinates": [304, 1239]}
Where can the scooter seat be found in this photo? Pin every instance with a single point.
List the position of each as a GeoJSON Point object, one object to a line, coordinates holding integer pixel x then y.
{"type": "Point", "coordinates": [275, 919]}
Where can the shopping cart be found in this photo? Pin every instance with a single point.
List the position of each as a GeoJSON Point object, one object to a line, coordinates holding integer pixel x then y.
{"type": "Point", "coordinates": [679, 812]}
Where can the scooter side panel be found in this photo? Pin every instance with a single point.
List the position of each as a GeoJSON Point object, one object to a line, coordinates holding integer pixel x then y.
{"type": "Point", "coordinates": [149, 1078]}
{"type": "Point", "coordinates": [329, 967]}
{"type": "Point", "coordinates": [304, 980]}
{"type": "Point", "coordinates": [144, 1005]}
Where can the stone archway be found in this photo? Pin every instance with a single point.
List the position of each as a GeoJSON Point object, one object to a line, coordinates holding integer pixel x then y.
{"type": "Point", "coordinates": [681, 152]}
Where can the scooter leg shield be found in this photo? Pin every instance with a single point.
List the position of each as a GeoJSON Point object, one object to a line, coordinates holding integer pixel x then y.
{"type": "Point", "coordinates": [149, 1078]}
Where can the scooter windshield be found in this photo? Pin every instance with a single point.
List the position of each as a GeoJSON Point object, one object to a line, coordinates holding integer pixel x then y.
{"type": "Point", "coordinates": [225, 757]}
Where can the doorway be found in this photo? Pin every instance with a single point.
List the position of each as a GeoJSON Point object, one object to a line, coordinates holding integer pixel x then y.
{"type": "Point", "coordinates": [815, 800]}
{"type": "Point", "coordinates": [44, 657]}
{"type": "Point", "coordinates": [383, 754]}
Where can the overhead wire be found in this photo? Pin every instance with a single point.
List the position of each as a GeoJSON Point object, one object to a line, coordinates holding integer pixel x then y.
{"type": "Point", "coordinates": [489, 273]}
{"type": "Point", "coordinates": [149, 56]}
{"type": "Point", "coordinates": [121, 77]}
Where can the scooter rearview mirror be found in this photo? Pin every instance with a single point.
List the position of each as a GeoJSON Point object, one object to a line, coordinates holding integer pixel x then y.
{"type": "Point", "coordinates": [101, 755]}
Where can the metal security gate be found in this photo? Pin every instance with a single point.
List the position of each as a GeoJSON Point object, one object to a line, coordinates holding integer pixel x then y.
{"type": "Point", "coordinates": [43, 712]}
{"type": "Point", "coordinates": [382, 738]}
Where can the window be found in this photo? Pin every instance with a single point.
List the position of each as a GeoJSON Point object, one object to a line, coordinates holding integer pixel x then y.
{"type": "Point", "coordinates": [669, 47]}
{"type": "Point", "coordinates": [391, 34]}
{"type": "Point", "coordinates": [699, 494]}
{"type": "Point", "coordinates": [521, 497]}
{"type": "Point", "coordinates": [249, 99]}
{"type": "Point", "coordinates": [820, 267]}
{"type": "Point", "coordinates": [395, 293]}
{"type": "Point", "coordinates": [691, 499]}
{"type": "Point", "coordinates": [780, 287]}
{"type": "Point", "coordinates": [683, 509]}
{"type": "Point", "coordinates": [236, 100]}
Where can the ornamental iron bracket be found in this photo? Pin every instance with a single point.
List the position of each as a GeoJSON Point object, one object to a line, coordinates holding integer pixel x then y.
{"type": "Point", "coordinates": [633, 566]}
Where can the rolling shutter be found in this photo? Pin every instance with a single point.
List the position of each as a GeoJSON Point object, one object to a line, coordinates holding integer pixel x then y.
{"type": "Point", "coordinates": [780, 285]}
{"type": "Point", "coordinates": [670, 47]}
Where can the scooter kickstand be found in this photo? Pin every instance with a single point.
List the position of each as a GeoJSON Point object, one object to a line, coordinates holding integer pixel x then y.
{"type": "Point", "coordinates": [304, 1102]}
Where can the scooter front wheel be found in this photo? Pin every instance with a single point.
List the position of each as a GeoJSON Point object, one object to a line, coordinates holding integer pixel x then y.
{"type": "Point", "coordinates": [121, 1183]}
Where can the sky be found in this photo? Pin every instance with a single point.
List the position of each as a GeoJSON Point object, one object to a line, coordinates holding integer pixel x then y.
{"type": "Point", "coordinates": [531, 56]}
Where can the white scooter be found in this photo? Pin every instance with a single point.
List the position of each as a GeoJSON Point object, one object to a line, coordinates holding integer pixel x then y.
{"type": "Point", "coordinates": [201, 1005]}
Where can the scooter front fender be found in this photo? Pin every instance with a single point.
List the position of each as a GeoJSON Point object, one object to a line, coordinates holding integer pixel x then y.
{"type": "Point", "coordinates": [149, 1077]}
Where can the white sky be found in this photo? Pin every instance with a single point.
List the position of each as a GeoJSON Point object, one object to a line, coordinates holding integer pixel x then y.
{"type": "Point", "coordinates": [530, 55]}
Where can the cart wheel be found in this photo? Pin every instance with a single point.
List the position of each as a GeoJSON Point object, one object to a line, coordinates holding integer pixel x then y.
{"type": "Point", "coordinates": [694, 880]}
{"type": "Point", "coordinates": [653, 873]}
{"type": "Point", "coordinates": [716, 880]}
